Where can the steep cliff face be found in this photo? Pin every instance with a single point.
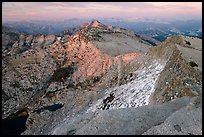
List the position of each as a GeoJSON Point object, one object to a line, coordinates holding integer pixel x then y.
{"type": "Point", "coordinates": [177, 79]}
{"type": "Point", "coordinates": [190, 47]}
{"type": "Point", "coordinates": [181, 75]}
{"type": "Point", "coordinates": [92, 57]}
{"type": "Point", "coordinates": [92, 60]}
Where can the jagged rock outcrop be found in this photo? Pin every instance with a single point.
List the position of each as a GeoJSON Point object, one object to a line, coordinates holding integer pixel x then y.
{"type": "Point", "coordinates": [190, 47]}
{"type": "Point", "coordinates": [9, 36]}
{"type": "Point", "coordinates": [179, 78]}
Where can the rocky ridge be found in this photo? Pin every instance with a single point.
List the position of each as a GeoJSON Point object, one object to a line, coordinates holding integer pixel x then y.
{"type": "Point", "coordinates": [38, 66]}
{"type": "Point", "coordinates": [99, 70]}
{"type": "Point", "coordinates": [127, 103]}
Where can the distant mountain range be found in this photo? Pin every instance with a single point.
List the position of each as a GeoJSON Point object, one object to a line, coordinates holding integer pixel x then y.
{"type": "Point", "coordinates": [154, 31]}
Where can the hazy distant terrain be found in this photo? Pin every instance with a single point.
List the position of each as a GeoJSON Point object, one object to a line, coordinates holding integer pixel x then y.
{"type": "Point", "coordinates": [154, 30]}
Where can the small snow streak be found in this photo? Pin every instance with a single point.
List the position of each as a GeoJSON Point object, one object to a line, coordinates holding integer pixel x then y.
{"type": "Point", "coordinates": [135, 93]}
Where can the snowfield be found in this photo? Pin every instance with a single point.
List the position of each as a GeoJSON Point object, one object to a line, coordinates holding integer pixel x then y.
{"type": "Point", "coordinates": [133, 94]}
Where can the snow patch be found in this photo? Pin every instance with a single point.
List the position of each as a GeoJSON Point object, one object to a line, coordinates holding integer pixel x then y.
{"type": "Point", "coordinates": [135, 93]}
{"type": "Point", "coordinates": [58, 38]}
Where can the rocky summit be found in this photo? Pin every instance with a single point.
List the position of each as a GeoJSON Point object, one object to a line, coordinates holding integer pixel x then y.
{"type": "Point", "coordinates": [101, 80]}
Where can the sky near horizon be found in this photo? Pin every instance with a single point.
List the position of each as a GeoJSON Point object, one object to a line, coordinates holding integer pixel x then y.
{"type": "Point", "coordinates": [23, 11]}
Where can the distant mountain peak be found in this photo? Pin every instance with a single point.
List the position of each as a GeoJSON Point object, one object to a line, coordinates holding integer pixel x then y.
{"type": "Point", "coordinates": [96, 23]}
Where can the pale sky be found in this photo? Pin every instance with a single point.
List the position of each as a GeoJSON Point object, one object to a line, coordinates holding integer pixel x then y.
{"type": "Point", "coordinates": [19, 11]}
